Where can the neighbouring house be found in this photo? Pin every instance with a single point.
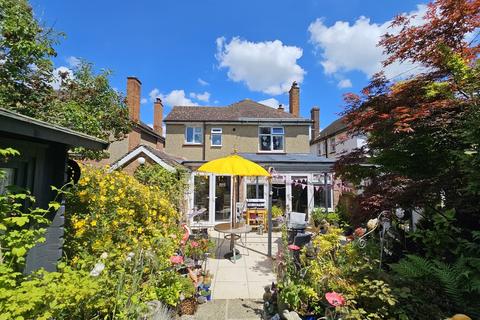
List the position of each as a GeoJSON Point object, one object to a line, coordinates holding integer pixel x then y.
{"type": "Point", "coordinates": [335, 141]}
{"type": "Point", "coordinates": [276, 139]}
{"type": "Point", "coordinates": [42, 163]}
{"type": "Point", "coordinates": [143, 144]}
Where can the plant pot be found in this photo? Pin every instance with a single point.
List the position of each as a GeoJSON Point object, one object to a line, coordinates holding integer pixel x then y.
{"type": "Point", "coordinates": [187, 307]}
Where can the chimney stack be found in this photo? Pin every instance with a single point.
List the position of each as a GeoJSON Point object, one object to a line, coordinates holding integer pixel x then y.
{"type": "Point", "coordinates": [133, 98]}
{"type": "Point", "coordinates": [294, 99]}
{"type": "Point", "coordinates": [280, 107]}
{"type": "Point", "coordinates": [158, 116]}
{"type": "Point", "coordinates": [315, 117]}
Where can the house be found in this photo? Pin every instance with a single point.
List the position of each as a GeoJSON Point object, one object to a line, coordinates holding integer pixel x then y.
{"type": "Point", "coordinates": [277, 139]}
{"type": "Point", "coordinates": [140, 135]}
{"type": "Point", "coordinates": [42, 163]}
{"type": "Point", "coordinates": [335, 141]}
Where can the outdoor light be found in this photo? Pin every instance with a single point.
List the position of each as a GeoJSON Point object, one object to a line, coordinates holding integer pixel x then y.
{"type": "Point", "coordinates": [141, 160]}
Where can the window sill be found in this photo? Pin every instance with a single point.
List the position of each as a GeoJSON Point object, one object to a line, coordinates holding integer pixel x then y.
{"type": "Point", "coordinates": [193, 145]}
{"type": "Point", "coordinates": [215, 147]}
{"type": "Point", "coordinates": [276, 151]}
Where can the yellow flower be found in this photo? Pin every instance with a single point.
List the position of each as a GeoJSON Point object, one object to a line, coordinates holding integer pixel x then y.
{"type": "Point", "coordinates": [93, 223]}
{"type": "Point", "coordinates": [140, 230]}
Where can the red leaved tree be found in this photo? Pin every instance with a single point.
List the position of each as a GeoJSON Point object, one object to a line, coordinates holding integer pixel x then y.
{"type": "Point", "coordinates": [423, 133]}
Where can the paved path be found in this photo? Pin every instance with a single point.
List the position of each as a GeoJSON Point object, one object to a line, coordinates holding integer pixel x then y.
{"type": "Point", "coordinates": [236, 309]}
{"type": "Point", "coordinates": [246, 278]}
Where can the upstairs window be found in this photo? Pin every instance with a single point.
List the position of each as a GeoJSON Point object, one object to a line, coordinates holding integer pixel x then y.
{"type": "Point", "coordinates": [193, 135]}
{"type": "Point", "coordinates": [271, 138]}
{"type": "Point", "coordinates": [216, 137]}
{"type": "Point", "coordinates": [332, 145]}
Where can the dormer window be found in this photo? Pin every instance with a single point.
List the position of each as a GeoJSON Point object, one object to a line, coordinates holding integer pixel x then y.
{"type": "Point", "coordinates": [271, 139]}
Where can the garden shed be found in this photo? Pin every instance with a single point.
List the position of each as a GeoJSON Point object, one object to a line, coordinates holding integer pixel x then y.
{"type": "Point", "coordinates": [42, 163]}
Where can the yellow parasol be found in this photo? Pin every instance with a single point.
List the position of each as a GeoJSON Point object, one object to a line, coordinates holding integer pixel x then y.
{"type": "Point", "coordinates": [234, 165]}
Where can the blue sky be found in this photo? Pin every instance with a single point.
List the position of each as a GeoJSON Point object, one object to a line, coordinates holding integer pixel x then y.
{"type": "Point", "coordinates": [213, 52]}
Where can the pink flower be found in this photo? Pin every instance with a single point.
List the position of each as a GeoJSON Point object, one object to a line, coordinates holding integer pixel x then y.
{"type": "Point", "coordinates": [359, 231]}
{"type": "Point", "coordinates": [194, 244]}
{"type": "Point", "coordinates": [293, 247]}
{"type": "Point", "coordinates": [335, 299]}
{"type": "Point", "coordinates": [176, 259]}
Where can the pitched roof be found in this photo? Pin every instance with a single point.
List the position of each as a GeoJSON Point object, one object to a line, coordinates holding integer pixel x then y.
{"type": "Point", "coordinates": [332, 129]}
{"type": "Point", "coordinates": [166, 160]}
{"type": "Point", "coordinates": [149, 130]}
{"type": "Point", "coordinates": [243, 110]}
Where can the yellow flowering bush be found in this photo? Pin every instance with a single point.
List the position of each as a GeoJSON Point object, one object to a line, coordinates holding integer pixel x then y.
{"type": "Point", "coordinates": [124, 232]}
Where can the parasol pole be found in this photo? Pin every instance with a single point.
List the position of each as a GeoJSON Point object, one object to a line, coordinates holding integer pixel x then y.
{"type": "Point", "coordinates": [270, 224]}
{"type": "Point", "coordinates": [233, 213]}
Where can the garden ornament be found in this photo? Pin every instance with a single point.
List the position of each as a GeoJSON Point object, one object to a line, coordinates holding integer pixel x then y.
{"type": "Point", "coordinates": [97, 269]}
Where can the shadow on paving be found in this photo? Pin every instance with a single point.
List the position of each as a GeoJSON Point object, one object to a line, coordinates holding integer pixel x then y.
{"type": "Point", "coordinates": [228, 310]}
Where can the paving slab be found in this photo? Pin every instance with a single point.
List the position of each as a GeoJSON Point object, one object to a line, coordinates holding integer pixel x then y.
{"type": "Point", "coordinates": [238, 309]}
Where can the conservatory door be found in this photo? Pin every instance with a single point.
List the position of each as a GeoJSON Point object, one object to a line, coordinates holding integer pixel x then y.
{"type": "Point", "coordinates": [201, 198]}
{"type": "Point", "coordinates": [223, 201]}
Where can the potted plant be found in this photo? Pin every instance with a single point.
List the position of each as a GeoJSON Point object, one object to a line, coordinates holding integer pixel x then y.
{"type": "Point", "coordinates": [277, 216]}
{"type": "Point", "coordinates": [206, 293]}
{"type": "Point", "coordinates": [207, 280]}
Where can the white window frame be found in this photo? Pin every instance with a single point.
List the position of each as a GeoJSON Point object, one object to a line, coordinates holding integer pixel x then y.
{"type": "Point", "coordinates": [193, 135]}
{"type": "Point", "coordinates": [216, 131]}
{"type": "Point", "coordinates": [332, 145]}
{"type": "Point", "coordinates": [271, 135]}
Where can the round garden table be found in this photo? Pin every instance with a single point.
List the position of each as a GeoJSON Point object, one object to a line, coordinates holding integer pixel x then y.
{"type": "Point", "coordinates": [233, 233]}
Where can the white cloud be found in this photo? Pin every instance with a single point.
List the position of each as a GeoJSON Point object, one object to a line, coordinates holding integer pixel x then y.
{"type": "Point", "coordinates": [344, 47]}
{"type": "Point", "coordinates": [272, 102]}
{"type": "Point", "coordinates": [174, 98]}
{"type": "Point", "coordinates": [205, 97]}
{"type": "Point", "coordinates": [61, 74]}
{"type": "Point", "coordinates": [143, 100]}
{"type": "Point", "coordinates": [73, 62]}
{"type": "Point", "coordinates": [344, 83]}
{"type": "Point", "coordinates": [203, 82]}
{"type": "Point", "coordinates": [268, 66]}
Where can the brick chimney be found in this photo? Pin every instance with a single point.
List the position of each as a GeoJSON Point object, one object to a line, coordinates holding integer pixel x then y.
{"type": "Point", "coordinates": [294, 99]}
{"type": "Point", "coordinates": [158, 116]}
{"type": "Point", "coordinates": [280, 107]}
{"type": "Point", "coordinates": [134, 87]}
{"type": "Point", "coordinates": [315, 117]}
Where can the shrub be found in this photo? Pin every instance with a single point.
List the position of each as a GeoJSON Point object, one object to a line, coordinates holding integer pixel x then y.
{"type": "Point", "coordinates": [124, 232]}
{"type": "Point", "coordinates": [171, 184]}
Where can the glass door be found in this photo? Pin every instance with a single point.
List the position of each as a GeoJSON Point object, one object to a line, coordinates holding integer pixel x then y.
{"type": "Point", "coordinates": [300, 194]}
{"type": "Point", "coordinates": [201, 199]}
{"type": "Point", "coordinates": [223, 199]}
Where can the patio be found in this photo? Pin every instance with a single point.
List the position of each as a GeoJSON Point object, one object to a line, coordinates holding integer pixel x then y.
{"type": "Point", "coordinates": [246, 278]}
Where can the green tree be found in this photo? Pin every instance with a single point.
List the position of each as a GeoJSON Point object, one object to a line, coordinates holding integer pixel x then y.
{"type": "Point", "coordinates": [84, 102]}
{"type": "Point", "coordinates": [25, 65]}
{"type": "Point", "coordinates": [87, 103]}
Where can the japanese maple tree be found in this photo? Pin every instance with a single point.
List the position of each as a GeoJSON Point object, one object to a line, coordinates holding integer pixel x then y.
{"type": "Point", "coordinates": [423, 132]}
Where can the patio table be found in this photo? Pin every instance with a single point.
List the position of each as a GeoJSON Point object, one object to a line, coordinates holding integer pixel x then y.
{"type": "Point", "coordinates": [236, 231]}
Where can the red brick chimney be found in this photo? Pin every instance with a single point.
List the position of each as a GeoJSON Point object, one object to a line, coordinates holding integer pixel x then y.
{"type": "Point", "coordinates": [158, 116]}
{"type": "Point", "coordinates": [294, 99]}
{"type": "Point", "coordinates": [134, 87]}
{"type": "Point", "coordinates": [315, 117]}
